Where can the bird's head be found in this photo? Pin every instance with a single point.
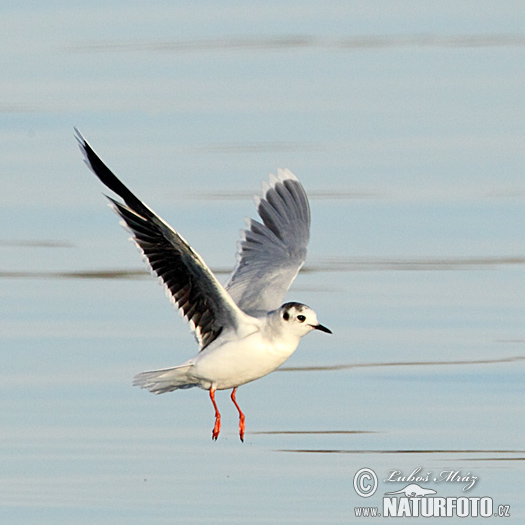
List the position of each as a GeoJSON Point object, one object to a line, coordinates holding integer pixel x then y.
{"type": "Point", "coordinates": [300, 319]}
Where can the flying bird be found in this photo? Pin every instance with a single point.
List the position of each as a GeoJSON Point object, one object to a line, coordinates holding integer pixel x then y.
{"type": "Point", "coordinates": [242, 328]}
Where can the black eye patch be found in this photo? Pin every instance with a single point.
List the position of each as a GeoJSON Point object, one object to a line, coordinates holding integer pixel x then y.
{"type": "Point", "coordinates": [286, 316]}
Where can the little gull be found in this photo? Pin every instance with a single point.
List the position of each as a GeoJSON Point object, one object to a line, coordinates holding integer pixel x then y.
{"type": "Point", "coordinates": [243, 330]}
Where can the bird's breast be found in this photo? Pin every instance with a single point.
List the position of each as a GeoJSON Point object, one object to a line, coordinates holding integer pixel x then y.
{"type": "Point", "coordinates": [238, 361]}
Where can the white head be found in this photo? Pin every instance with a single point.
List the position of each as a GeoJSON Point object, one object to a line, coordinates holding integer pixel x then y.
{"type": "Point", "coordinates": [300, 319]}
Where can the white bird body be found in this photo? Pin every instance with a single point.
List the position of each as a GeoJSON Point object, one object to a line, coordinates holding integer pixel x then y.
{"type": "Point", "coordinates": [242, 330]}
{"type": "Point", "coordinates": [234, 359]}
{"type": "Point", "coordinates": [246, 358]}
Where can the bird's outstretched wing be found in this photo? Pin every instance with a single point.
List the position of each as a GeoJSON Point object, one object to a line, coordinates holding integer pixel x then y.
{"type": "Point", "coordinates": [271, 254]}
{"type": "Point", "coordinates": [189, 283]}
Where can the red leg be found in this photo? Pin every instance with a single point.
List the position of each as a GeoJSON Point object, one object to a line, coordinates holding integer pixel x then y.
{"type": "Point", "coordinates": [217, 427]}
{"type": "Point", "coordinates": [241, 415]}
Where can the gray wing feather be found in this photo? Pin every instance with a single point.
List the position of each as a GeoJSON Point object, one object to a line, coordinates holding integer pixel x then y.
{"type": "Point", "coordinates": [270, 254]}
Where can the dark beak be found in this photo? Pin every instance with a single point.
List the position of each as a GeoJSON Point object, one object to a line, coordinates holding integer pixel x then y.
{"type": "Point", "coordinates": [323, 328]}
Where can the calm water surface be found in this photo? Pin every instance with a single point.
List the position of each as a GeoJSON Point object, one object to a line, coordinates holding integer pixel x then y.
{"type": "Point", "coordinates": [405, 124]}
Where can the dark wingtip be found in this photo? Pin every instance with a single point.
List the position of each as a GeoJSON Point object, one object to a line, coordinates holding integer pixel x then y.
{"type": "Point", "coordinates": [107, 177]}
{"type": "Point", "coordinates": [79, 137]}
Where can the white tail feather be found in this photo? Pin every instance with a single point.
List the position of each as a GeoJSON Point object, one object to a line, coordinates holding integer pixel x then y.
{"type": "Point", "coordinates": [165, 380]}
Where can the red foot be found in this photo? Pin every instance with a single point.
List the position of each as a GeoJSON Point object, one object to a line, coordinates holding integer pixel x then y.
{"type": "Point", "coordinates": [241, 427]}
{"type": "Point", "coordinates": [241, 415]}
{"type": "Point", "coordinates": [217, 427]}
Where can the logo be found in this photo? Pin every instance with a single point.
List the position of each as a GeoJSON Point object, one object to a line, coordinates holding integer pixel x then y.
{"type": "Point", "coordinates": [413, 491]}
{"type": "Point", "coordinates": [413, 499]}
{"type": "Point", "coordinates": [365, 482]}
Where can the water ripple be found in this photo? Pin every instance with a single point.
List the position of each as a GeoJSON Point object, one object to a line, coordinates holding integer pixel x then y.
{"type": "Point", "coordinates": [414, 451]}
{"type": "Point", "coordinates": [344, 264]}
{"type": "Point", "coordinates": [330, 264]}
{"type": "Point", "coordinates": [329, 368]}
{"type": "Point", "coordinates": [312, 432]}
{"type": "Point", "coordinates": [294, 42]}
{"type": "Point", "coordinates": [35, 244]}
{"type": "Point", "coordinates": [314, 195]}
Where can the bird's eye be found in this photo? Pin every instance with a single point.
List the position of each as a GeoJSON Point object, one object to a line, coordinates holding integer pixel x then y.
{"type": "Point", "coordinates": [286, 316]}
{"type": "Point", "coordinates": [301, 318]}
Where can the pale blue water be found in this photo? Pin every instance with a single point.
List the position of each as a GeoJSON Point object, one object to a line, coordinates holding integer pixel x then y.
{"type": "Point", "coordinates": [404, 121]}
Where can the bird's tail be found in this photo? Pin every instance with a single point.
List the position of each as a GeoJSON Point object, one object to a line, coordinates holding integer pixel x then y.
{"type": "Point", "coordinates": [165, 380]}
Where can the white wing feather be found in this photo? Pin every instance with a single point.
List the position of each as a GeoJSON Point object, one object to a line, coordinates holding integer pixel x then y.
{"type": "Point", "coordinates": [271, 254]}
